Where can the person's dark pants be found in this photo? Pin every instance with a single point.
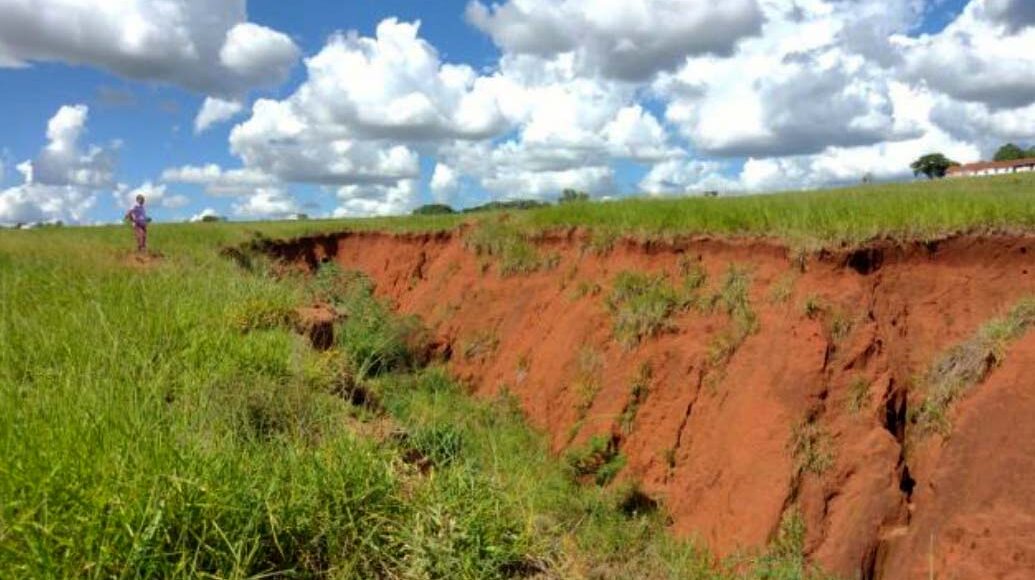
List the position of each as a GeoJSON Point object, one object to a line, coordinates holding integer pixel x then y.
{"type": "Point", "coordinates": [140, 231]}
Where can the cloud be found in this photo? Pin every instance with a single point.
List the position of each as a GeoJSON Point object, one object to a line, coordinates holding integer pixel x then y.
{"type": "Point", "coordinates": [975, 58]}
{"type": "Point", "coordinates": [376, 200]}
{"type": "Point", "coordinates": [683, 176]}
{"type": "Point", "coordinates": [155, 195]}
{"type": "Point", "coordinates": [219, 181]}
{"type": "Point", "coordinates": [62, 181]}
{"type": "Point", "coordinates": [267, 203]}
{"type": "Point", "coordinates": [744, 95]}
{"type": "Point", "coordinates": [407, 93]}
{"type": "Point", "coordinates": [981, 124]}
{"type": "Point", "coordinates": [199, 45]}
{"type": "Point", "coordinates": [796, 89]}
{"type": "Point", "coordinates": [64, 162]}
{"type": "Point", "coordinates": [444, 182]}
{"type": "Point", "coordinates": [1013, 14]}
{"type": "Point", "coordinates": [214, 111]}
{"type": "Point", "coordinates": [629, 40]}
{"type": "Point", "coordinates": [33, 202]}
{"type": "Point", "coordinates": [280, 141]}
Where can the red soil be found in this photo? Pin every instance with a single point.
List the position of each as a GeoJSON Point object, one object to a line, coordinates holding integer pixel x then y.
{"type": "Point", "coordinates": [712, 441]}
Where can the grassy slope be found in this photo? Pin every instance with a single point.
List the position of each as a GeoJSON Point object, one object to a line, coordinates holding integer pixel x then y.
{"type": "Point", "coordinates": [905, 211]}
{"type": "Point", "coordinates": [145, 434]}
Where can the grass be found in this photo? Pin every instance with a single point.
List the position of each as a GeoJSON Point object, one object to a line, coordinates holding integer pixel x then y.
{"type": "Point", "coordinates": [480, 345]}
{"type": "Point", "coordinates": [811, 448]}
{"type": "Point", "coordinates": [781, 290]}
{"type": "Point", "coordinates": [858, 394]}
{"type": "Point", "coordinates": [732, 297]}
{"type": "Point", "coordinates": [638, 392]}
{"type": "Point", "coordinates": [968, 363]}
{"type": "Point", "coordinates": [598, 460]}
{"type": "Point", "coordinates": [589, 367]}
{"type": "Point", "coordinates": [502, 241]}
{"type": "Point", "coordinates": [641, 305]}
{"type": "Point", "coordinates": [146, 434]}
{"type": "Point", "coordinates": [915, 210]}
{"type": "Point", "coordinates": [918, 210]}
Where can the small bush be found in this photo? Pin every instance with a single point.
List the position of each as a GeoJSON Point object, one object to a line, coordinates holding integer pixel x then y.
{"type": "Point", "coordinates": [434, 209]}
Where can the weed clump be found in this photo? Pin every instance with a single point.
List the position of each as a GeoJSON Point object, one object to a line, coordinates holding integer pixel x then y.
{"type": "Point", "coordinates": [641, 305]}
{"type": "Point", "coordinates": [505, 243]}
{"type": "Point", "coordinates": [733, 298]}
{"type": "Point", "coordinates": [782, 289]}
{"type": "Point", "coordinates": [480, 345]}
{"type": "Point", "coordinates": [858, 394]}
{"type": "Point", "coordinates": [598, 461]}
{"type": "Point", "coordinates": [441, 444]}
{"type": "Point", "coordinates": [969, 363]}
{"type": "Point", "coordinates": [589, 365]}
{"type": "Point", "coordinates": [637, 396]}
{"type": "Point", "coordinates": [811, 448]}
{"type": "Point", "coordinates": [262, 314]}
{"type": "Point", "coordinates": [602, 241]}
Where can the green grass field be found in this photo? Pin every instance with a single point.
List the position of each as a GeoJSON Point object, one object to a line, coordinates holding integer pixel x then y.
{"type": "Point", "coordinates": [904, 211]}
{"type": "Point", "coordinates": [162, 421]}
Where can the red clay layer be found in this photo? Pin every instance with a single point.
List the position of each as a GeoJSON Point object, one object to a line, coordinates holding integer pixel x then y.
{"type": "Point", "coordinates": [712, 440]}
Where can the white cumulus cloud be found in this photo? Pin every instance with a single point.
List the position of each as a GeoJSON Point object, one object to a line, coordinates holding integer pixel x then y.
{"type": "Point", "coordinates": [202, 46]}
{"type": "Point", "coordinates": [623, 39]}
{"type": "Point", "coordinates": [61, 183]}
{"type": "Point", "coordinates": [215, 110]}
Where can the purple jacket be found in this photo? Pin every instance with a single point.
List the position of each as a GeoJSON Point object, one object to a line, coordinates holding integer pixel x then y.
{"type": "Point", "coordinates": [138, 216]}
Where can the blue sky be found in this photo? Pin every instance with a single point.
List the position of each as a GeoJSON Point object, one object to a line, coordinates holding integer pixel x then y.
{"type": "Point", "coordinates": [608, 97]}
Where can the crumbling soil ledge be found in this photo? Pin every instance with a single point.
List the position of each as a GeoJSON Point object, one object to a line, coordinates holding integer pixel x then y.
{"type": "Point", "coordinates": [842, 333]}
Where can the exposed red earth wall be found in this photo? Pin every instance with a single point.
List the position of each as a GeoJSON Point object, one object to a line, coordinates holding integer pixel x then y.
{"type": "Point", "coordinates": [713, 443]}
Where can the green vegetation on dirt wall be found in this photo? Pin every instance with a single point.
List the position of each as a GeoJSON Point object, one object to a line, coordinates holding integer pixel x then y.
{"type": "Point", "coordinates": [161, 418]}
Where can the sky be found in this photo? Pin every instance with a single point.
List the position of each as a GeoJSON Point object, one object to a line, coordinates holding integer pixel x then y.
{"type": "Point", "coordinates": [266, 109]}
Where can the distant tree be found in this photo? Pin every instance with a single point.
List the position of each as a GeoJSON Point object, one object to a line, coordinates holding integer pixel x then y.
{"type": "Point", "coordinates": [933, 165]}
{"type": "Point", "coordinates": [507, 205]}
{"type": "Point", "coordinates": [573, 196]}
{"type": "Point", "coordinates": [1010, 152]}
{"type": "Point", "coordinates": [301, 216]}
{"type": "Point", "coordinates": [434, 209]}
{"type": "Point", "coordinates": [867, 178]}
{"type": "Point", "coordinates": [211, 218]}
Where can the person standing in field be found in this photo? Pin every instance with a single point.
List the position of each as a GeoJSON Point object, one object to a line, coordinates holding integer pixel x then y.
{"type": "Point", "coordinates": [138, 217]}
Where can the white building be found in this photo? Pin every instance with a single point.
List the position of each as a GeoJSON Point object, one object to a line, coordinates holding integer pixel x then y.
{"type": "Point", "coordinates": [982, 168]}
